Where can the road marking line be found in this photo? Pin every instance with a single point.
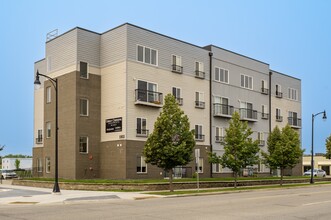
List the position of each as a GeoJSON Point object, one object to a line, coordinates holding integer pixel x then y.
{"type": "Point", "coordinates": [316, 203]}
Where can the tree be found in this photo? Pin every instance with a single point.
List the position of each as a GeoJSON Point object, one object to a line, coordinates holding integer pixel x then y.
{"type": "Point", "coordinates": [284, 151]}
{"type": "Point", "coordinates": [240, 150]}
{"type": "Point", "coordinates": [328, 147]}
{"type": "Point", "coordinates": [171, 143]}
{"type": "Point", "coordinates": [17, 164]}
{"type": "Point", "coordinates": [274, 137]}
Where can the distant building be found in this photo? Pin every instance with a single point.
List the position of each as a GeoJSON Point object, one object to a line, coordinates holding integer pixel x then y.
{"type": "Point", "coordinates": [9, 163]}
{"type": "Point", "coordinates": [320, 162]}
{"type": "Point", "coordinates": [111, 89]}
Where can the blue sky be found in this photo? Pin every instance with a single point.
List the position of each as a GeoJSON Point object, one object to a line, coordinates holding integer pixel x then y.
{"type": "Point", "coordinates": [294, 37]}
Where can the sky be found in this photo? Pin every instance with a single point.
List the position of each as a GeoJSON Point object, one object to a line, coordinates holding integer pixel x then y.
{"type": "Point", "coordinates": [294, 37]}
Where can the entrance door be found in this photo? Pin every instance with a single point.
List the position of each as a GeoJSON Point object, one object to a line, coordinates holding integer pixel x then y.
{"type": "Point", "coordinates": [326, 169]}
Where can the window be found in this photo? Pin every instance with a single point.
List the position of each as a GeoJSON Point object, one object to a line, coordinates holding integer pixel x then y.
{"type": "Point", "coordinates": [292, 94]}
{"type": "Point", "coordinates": [246, 111]}
{"type": "Point", "coordinates": [141, 165]}
{"type": "Point", "coordinates": [198, 133]}
{"type": "Point", "coordinates": [177, 93]}
{"type": "Point", "coordinates": [147, 92]}
{"type": "Point", "coordinates": [279, 118]}
{"type": "Point", "coordinates": [48, 129]}
{"type": "Point", "coordinates": [216, 168]}
{"type": "Point", "coordinates": [177, 64]}
{"type": "Point", "coordinates": [83, 107]}
{"type": "Point", "coordinates": [264, 87]}
{"type": "Point", "coordinates": [246, 82]}
{"type": "Point", "coordinates": [83, 68]}
{"type": "Point", "coordinates": [83, 144]}
{"type": "Point", "coordinates": [199, 100]}
{"type": "Point", "coordinates": [48, 94]}
{"type": "Point", "coordinates": [219, 137]}
{"type": "Point", "coordinates": [293, 119]}
{"type": "Point", "coordinates": [279, 93]}
{"type": "Point", "coordinates": [221, 106]}
{"type": "Point", "coordinates": [199, 165]}
{"type": "Point", "coordinates": [141, 127]}
{"type": "Point", "coordinates": [199, 72]}
{"type": "Point", "coordinates": [265, 112]}
{"type": "Point", "coordinates": [39, 165]}
{"type": "Point", "coordinates": [39, 138]}
{"type": "Point", "coordinates": [260, 137]}
{"type": "Point", "coordinates": [221, 75]}
{"type": "Point", "coordinates": [48, 164]}
{"type": "Point", "coordinates": [146, 55]}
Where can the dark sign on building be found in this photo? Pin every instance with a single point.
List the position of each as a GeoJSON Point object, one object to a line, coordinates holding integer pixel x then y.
{"type": "Point", "coordinates": [113, 125]}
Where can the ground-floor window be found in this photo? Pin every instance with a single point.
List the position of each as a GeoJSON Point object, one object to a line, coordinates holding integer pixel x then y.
{"type": "Point", "coordinates": [141, 165]}
{"type": "Point", "coordinates": [39, 165]}
{"type": "Point", "coordinates": [48, 164]}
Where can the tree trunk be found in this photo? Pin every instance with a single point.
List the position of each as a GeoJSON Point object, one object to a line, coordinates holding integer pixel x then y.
{"type": "Point", "coordinates": [171, 188]}
{"type": "Point", "coordinates": [235, 179]}
{"type": "Point", "coordinates": [281, 176]}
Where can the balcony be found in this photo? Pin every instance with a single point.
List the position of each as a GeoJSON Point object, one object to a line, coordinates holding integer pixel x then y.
{"type": "Point", "coordinates": [199, 74]}
{"type": "Point", "coordinates": [177, 69]}
{"type": "Point", "coordinates": [279, 118]}
{"type": "Point", "coordinates": [199, 104]}
{"type": "Point", "coordinates": [142, 133]}
{"type": "Point", "coordinates": [265, 116]}
{"type": "Point", "coordinates": [294, 122]}
{"type": "Point", "coordinates": [199, 137]}
{"type": "Point", "coordinates": [279, 94]}
{"type": "Point", "coordinates": [261, 142]}
{"type": "Point", "coordinates": [219, 139]}
{"type": "Point", "coordinates": [148, 97]}
{"type": "Point", "coordinates": [179, 101]}
{"type": "Point", "coordinates": [265, 91]}
{"type": "Point", "coordinates": [221, 110]}
{"type": "Point", "coordinates": [39, 140]}
{"type": "Point", "coordinates": [248, 114]}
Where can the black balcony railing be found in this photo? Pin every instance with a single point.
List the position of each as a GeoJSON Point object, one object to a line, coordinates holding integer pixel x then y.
{"type": "Point", "coordinates": [265, 91]}
{"type": "Point", "coordinates": [223, 110]}
{"type": "Point", "coordinates": [39, 140]}
{"type": "Point", "coordinates": [265, 115]}
{"type": "Point", "coordinates": [248, 114]}
{"type": "Point", "coordinates": [177, 69]}
{"type": "Point", "coordinates": [279, 94]}
{"type": "Point", "coordinates": [294, 122]}
{"type": "Point", "coordinates": [199, 104]}
{"type": "Point", "coordinates": [219, 139]}
{"type": "Point", "coordinates": [148, 96]}
{"type": "Point", "coordinates": [199, 74]}
{"type": "Point", "coordinates": [179, 101]}
{"type": "Point", "coordinates": [142, 133]}
{"type": "Point", "coordinates": [279, 118]}
{"type": "Point", "coordinates": [199, 137]}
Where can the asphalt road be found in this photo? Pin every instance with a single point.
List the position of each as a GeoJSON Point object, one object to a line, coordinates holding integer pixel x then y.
{"type": "Point", "coordinates": [296, 203]}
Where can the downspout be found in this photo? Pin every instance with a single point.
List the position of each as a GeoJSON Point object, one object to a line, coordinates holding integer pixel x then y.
{"type": "Point", "coordinates": [270, 77]}
{"type": "Point", "coordinates": [210, 109]}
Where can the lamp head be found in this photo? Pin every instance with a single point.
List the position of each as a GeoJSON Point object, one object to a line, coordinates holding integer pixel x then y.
{"type": "Point", "coordinates": [324, 115]}
{"type": "Point", "coordinates": [37, 81]}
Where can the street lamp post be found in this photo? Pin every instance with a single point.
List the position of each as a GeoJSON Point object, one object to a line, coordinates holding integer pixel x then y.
{"type": "Point", "coordinates": [312, 143]}
{"type": "Point", "coordinates": [56, 188]}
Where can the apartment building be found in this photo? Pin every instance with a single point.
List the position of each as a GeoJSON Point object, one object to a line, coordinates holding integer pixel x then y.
{"type": "Point", "coordinates": [110, 92]}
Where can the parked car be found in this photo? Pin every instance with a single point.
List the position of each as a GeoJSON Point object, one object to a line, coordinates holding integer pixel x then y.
{"type": "Point", "coordinates": [316, 172]}
{"type": "Point", "coordinates": [6, 174]}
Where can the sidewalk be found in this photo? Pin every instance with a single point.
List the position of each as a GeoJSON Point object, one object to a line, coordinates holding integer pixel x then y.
{"type": "Point", "coordinates": [22, 195]}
